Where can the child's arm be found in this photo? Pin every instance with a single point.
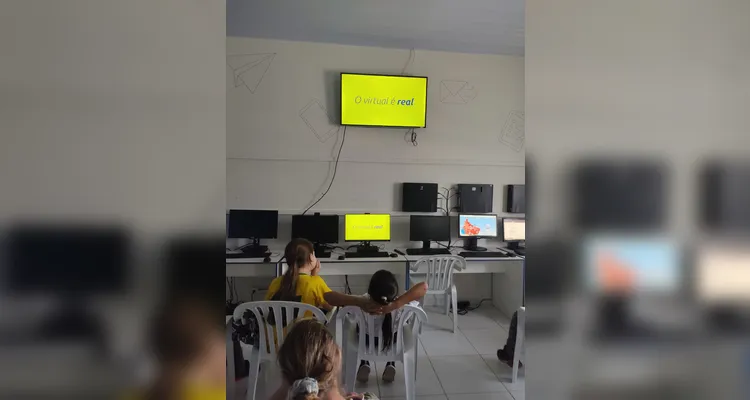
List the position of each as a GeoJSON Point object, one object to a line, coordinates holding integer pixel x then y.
{"type": "Point", "coordinates": [342, 300]}
{"type": "Point", "coordinates": [415, 293]}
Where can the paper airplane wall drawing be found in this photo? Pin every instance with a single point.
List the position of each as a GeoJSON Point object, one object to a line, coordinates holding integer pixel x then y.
{"type": "Point", "coordinates": [513, 134]}
{"type": "Point", "coordinates": [249, 69]}
{"type": "Point", "coordinates": [318, 121]}
{"type": "Point", "coordinates": [456, 92]}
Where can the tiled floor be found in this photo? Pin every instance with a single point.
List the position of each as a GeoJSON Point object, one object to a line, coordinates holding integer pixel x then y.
{"type": "Point", "coordinates": [460, 366]}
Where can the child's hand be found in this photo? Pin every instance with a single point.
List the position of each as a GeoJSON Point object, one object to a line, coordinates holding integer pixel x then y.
{"type": "Point", "coordinates": [316, 270]}
{"type": "Point", "coordinates": [371, 307]}
{"type": "Point", "coordinates": [390, 307]}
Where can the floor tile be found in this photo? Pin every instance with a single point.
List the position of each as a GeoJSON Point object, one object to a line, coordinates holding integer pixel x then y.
{"type": "Point", "coordinates": [504, 395]}
{"type": "Point", "coordinates": [518, 394]}
{"type": "Point", "coordinates": [496, 315]}
{"type": "Point", "coordinates": [476, 320]}
{"type": "Point", "coordinates": [486, 341]}
{"type": "Point", "coordinates": [505, 373]}
{"type": "Point", "coordinates": [427, 380]}
{"type": "Point", "coordinates": [437, 320]}
{"type": "Point", "coordinates": [444, 343]}
{"type": "Point", "coordinates": [422, 352]}
{"type": "Point", "coordinates": [372, 384]}
{"type": "Point", "coordinates": [465, 374]}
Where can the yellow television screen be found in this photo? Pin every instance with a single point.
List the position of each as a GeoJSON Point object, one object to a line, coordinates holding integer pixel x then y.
{"type": "Point", "coordinates": [384, 100]}
{"type": "Point", "coordinates": [367, 227]}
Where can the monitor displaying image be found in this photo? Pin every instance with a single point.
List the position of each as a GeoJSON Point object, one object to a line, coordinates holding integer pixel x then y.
{"type": "Point", "coordinates": [367, 227]}
{"type": "Point", "coordinates": [514, 229]}
{"type": "Point", "coordinates": [632, 264]}
{"type": "Point", "coordinates": [384, 100]}
{"type": "Point", "coordinates": [477, 225]}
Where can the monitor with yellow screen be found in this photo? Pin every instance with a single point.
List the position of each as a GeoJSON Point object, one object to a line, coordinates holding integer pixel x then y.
{"type": "Point", "coordinates": [384, 100]}
{"type": "Point", "coordinates": [367, 227]}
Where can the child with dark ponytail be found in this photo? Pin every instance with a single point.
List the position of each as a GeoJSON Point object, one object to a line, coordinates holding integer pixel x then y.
{"type": "Point", "coordinates": [383, 289]}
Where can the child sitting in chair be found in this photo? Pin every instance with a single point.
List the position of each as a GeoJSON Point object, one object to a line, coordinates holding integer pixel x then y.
{"type": "Point", "coordinates": [383, 289]}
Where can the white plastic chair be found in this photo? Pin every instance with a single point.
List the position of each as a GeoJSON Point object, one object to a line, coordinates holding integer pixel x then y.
{"type": "Point", "coordinates": [404, 346]}
{"type": "Point", "coordinates": [231, 371]}
{"type": "Point", "coordinates": [520, 352]}
{"type": "Point", "coordinates": [268, 347]}
{"type": "Point", "coordinates": [439, 279]}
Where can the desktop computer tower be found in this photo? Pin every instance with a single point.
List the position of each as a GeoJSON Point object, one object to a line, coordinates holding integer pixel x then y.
{"type": "Point", "coordinates": [419, 197]}
{"type": "Point", "coordinates": [475, 198]}
{"type": "Point", "coordinates": [516, 199]}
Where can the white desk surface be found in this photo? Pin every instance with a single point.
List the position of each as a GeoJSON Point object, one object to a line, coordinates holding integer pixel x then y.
{"type": "Point", "coordinates": [239, 267]}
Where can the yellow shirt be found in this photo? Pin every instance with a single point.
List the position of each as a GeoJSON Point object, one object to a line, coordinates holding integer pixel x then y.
{"type": "Point", "coordinates": [310, 289]}
{"type": "Point", "coordinates": [191, 392]}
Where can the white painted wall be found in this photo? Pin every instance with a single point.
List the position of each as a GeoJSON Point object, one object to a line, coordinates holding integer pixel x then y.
{"type": "Point", "coordinates": [274, 160]}
{"type": "Point", "coordinates": [667, 79]}
{"type": "Point", "coordinates": [113, 108]}
{"type": "Point", "coordinates": [110, 110]}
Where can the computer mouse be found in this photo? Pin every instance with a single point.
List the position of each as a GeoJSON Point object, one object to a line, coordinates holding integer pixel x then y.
{"type": "Point", "coordinates": [393, 255]}
{"type": "Point", "coordinates": [342, 258]}
{"type": "Point", "coordinates": [267, 259]}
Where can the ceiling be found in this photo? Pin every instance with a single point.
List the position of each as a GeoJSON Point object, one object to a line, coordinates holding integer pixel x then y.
{"type": "Point", "coordinates": [466, 26]}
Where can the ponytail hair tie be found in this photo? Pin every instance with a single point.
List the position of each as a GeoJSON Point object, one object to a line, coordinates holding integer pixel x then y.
{"type": "Point", "coordinates": [303, 386]}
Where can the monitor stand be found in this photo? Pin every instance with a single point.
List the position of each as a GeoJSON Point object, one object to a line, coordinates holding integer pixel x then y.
{"type": "Point", "coordinates": [426, 250]}
{"type": "Point", "coordinates": [72, 321]}
{"type": "Point", "coordinates": [517, 248]}
{"type": "Point", "coordinates": [322, 251]}
{"type": "Point", "coordinates": [254, 249]}
{"type": "Point", "coordinates": [470, 244]}
{"type": "Point", "coordinates": [365, 250]}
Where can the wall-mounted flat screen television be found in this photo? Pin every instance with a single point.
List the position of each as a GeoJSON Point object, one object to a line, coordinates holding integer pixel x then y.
{"type": "Point", "coordinates": [384, 100]}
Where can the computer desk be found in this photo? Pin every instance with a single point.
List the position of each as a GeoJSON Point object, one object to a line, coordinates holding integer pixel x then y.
{"type": "Point", "coordinates": [253, 267]}
{"type": "Point", "coordinates": [401, 265]}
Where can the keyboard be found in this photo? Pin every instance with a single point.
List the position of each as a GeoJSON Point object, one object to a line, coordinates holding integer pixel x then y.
{"type": "Point", "coordinates": [378, 254]}
{"type": "Point", "coordinates": [481, 254]}
{"type": "Point", "coordinates": [246, 255]}
{"type": "Point", "coordinates": [427, 252]}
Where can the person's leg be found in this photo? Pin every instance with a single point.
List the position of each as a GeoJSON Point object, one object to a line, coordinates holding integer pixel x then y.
{"type": "Point", "coordinates": [363, 373]}
{"type": "Point", "coordinates": [389, 372]}
{"type": "Point", "coordinates": [506, 353]}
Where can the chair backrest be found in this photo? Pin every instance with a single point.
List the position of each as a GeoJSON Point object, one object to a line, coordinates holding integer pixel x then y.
{"type": "Point", "coordinates": [439, 270]}
{"type": "Point", "coordinates": [410, 317]}
{"type": "Point", "coordinates": [282, 314]}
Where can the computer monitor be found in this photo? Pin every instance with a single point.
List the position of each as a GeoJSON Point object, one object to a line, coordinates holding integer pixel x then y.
{"type": "Point", "coordinates": [475, 226]}
{"type": "Point", "coordinates": [429, 228]}
{"type": "Point", "coordinates": [629, 264]}
{"type": "Point", "coordinates": [256, 225]}
{"type": "Point", "coordinates": [71, 263]}
{"type": "Point", "coordinates": [253, 224]}
{"type": "Point", "coordinates": [319, 229]}
{"type": "Point", "coordinates": [366, 228]}
{"type": "Point", "coordinates": [66, 260]}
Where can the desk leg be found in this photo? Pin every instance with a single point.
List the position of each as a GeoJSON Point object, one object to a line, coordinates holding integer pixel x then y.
{"type": "Point", "coordinates": [407, 287]}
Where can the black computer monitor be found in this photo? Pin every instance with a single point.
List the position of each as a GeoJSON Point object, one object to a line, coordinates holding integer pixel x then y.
{"type": "Point", "coordinates": [256, 225]}
{"type": "Point", "coordinates": [319, 229]}
{"type": "Point", "coordinates": [66, 260]}
{"type": "Point", "coordinates": [475, 226]}
{"type": "Point", "coordinates": [253, 224]}
{"type": "Point", "coordinates": [71, 263]}
{"type": "Point", "coordinates": [429, 228]}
